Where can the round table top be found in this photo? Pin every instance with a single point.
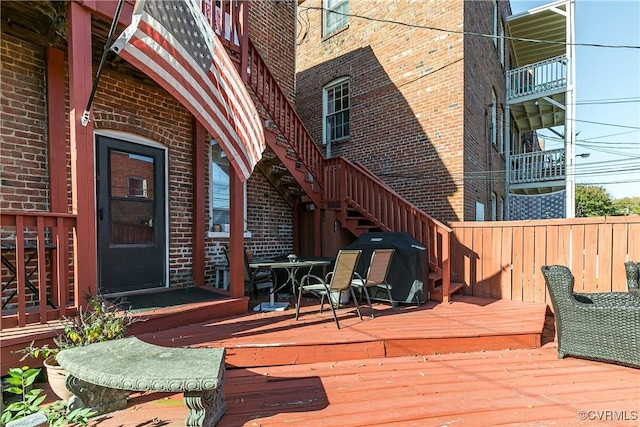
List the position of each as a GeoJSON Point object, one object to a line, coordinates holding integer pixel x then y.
{"type": "Point", "coordinates": [288, 264]}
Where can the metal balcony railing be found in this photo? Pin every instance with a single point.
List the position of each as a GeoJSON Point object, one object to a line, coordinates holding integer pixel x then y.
{"type": "Point", "coordinates": [537, 166]}
{"type": "Point", "coordinates": [545, 76]}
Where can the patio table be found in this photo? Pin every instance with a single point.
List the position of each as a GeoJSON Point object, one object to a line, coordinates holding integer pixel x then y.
{"type": "Point", "coordinates": [291, 267]}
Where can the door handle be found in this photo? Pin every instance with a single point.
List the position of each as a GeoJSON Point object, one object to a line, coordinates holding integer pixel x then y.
{"type": "Point", "coordinates": [101, 213]}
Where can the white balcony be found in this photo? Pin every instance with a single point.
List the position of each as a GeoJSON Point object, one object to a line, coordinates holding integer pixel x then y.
{"type": "Point", "coordinates": [537, 167]}
{"type": "Point", "coordinates": [544, 78]}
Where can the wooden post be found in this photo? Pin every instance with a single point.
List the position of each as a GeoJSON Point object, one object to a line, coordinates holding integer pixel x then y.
{"type": "Point", "coordinates": [199, 197]}
{"type": "Point", "coordinates": [236, 235]}
{"type": "Point", "coordinates": [82, 153]}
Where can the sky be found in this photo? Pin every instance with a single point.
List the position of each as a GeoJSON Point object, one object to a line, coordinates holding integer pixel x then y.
{"type": "Point", "coordinates": [607, 94]}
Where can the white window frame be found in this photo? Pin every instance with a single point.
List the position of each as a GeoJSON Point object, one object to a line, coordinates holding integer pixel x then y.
{"type": "Point", "coordinates": [501, 209]}
{"type": "Point", "coordinates": [325, 109]}
{"type": "Point", "coordinates": [329, 7]}
{"type": "Point", "coordinates": [495, 23]}
{"type": "Point", "coordinates": [501, 43]}
{"type": "Point", "coordinates": [222, 232]}
{"type": "Point", "coordinates": [494, 118]}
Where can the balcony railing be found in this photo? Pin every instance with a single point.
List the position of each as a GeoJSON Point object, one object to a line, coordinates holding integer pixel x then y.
{"type": "Point", "coordinates": [536, 79]}
{"type": "Point", "coordinates": [537, 166]}
{"type": "Point", "coordinates": [37, 267]}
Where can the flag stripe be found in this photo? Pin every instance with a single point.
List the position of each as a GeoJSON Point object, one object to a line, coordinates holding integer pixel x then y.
{"type": "Point", "coordinates": [185, 82]}
{"type": "Point", "coordinates": [172, 43]}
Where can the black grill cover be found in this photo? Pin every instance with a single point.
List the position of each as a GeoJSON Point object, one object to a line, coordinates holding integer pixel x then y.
{"type": "Point", "coordinates": [409, 271]}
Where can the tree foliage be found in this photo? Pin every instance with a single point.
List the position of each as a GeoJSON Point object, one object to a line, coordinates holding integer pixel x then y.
{"type": "Point", "coordinates": [627, 206]}
{"type": "Point", "coordinates": [593, 200]}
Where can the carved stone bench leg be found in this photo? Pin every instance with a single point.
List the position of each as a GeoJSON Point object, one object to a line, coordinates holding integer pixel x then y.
{"type": "Point", "coordinates": [205, 407]}
{"type": "Point", "coordinates": [100, 399]}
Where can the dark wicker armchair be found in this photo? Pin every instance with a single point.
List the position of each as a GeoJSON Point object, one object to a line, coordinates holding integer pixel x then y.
{"type": "Point", "coordinates": [633, 275]}
{"type": "Point", "coordinates": [601, 326]}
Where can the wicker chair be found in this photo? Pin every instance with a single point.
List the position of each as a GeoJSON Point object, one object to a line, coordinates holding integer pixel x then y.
{"type": "Point", "coordinates": [633, 275]}
{"type": "Point", "coordinates": [601, 326]}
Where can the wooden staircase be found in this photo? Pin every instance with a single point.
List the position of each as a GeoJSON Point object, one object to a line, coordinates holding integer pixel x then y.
{"type": "Point", "coordinates": [296, 167]}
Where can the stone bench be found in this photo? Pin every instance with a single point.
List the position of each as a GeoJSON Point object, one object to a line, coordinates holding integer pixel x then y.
{"type": "Point", "coordinates": [101, 374]}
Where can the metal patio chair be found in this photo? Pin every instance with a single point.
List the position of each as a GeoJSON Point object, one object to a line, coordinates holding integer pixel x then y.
{"type": "Point", "coordinates": [336, 281]}
{"type": "Point", "coordinates": [375, 276]}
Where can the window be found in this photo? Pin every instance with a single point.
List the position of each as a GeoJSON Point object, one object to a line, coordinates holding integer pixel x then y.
{"type": "Point", "coordinates": [494, 207]}
{"type": "Point", "coordinates": [335, 16]}
{"type": "Point", "coordinates": [219, 190]}
{"type": "Point", "coordinates": [501, 44]}
{"type": "Point", "coordinates": [495, 23]}
{"type": "Point", "coordinates": [501, 209]}
{"type": "Point", "coordinates": [494, 118]}
{"type": "Point", "coordinates": [136, 186]}
{"type": "Point", "coordinates": [336, 111]}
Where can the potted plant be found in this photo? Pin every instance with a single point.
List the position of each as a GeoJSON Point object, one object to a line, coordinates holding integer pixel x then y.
{"type": "Point", "coordinates": [100, 321]}
{"type": "Point", "coordinates": [31, 402]}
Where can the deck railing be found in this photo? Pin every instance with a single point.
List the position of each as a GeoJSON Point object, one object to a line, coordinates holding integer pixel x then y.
{"type": "Point", "coordinates": [285, 117]}
{"type": "Point", "coordinates": [503, 259]}
{"type": "Point", "coordinates": [536, 79]}
{"type": "Point", "coordinates": [349, 186]}
{"type": "Point", "coordinates": [537, 166]}
{"type": "Point", "coordinates": [37, 267]}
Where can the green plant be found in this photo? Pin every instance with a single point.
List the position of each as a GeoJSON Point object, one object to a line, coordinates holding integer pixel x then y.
{"type": "Point", "coordinates": [100, 321]}
{"type": "Point", "coordinates": [31, 401]}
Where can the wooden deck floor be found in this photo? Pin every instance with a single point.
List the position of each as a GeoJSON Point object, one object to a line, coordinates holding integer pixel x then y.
{"type": "Point", "coordinates": [276, 338]}
{"type": "Point", "coordinates": [512, 387]}
{"type": "Point", "coordinates": [473, 362]}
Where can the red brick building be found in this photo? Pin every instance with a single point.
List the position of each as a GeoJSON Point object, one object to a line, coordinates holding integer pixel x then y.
{"type": "Point", "coordinates": [426, 96]}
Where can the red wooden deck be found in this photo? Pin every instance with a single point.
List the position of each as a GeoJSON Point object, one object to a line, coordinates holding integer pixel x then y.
{"type": "Point", "coordinates": [474, 362]}
{"type": "Point", "coordinates": [512, 387]}
{"type": "Point", "coordinates": [276, 338]}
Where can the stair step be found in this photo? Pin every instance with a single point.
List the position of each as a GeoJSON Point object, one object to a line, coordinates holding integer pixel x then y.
{"type": "Point", "coordinates": [436, 292]}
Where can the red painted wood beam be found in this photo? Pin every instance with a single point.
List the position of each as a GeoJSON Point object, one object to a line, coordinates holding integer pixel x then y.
{"type": "Point", "coordinates": [199, 197]}
{"type": "Point", "coordinates": [236, 236]}
{"type": "Point", "coordinates": [56, 131]}
{"type": "Point", "coordinates": [82, 152]}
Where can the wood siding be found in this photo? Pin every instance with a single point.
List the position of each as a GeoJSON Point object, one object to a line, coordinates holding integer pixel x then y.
{"type": "Point", "coordinates": [503, 259]}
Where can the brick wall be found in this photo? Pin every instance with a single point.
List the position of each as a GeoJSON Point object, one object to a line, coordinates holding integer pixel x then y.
{"type": "Point", "coordinates": [134, 105]}
{"type": "Point", "coordinates": [24, 180]}
{"type": "Point", "coordinates": [408, 103]}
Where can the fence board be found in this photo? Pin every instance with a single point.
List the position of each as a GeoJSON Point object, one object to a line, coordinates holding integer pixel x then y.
{"type": "Point", "coordinates": [503, 259]}
{"type": "Point", "coordinates": [476, 246]}
{"type": "Point", "coordinates": [618, 258]}
{"type": "Point", "coordinates": [552, 252]}
{"type": "Point", "coordinates": [506, 263]}
{"type": "Point", "coordinates": [518, 274]}
{"type": "Point", "coordinates": [528, 267]}
{"type": "Point", "coordinates": [605, 245]}
{"type": "Point", "coordinates": [577, 256]}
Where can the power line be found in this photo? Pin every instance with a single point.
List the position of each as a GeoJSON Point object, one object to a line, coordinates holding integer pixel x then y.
{"type": "Point", "coordinates": [467, 33]}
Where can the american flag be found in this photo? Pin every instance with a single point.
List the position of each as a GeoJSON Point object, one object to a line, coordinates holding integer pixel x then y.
{"type": "Point", "coordinates": [171, 42]}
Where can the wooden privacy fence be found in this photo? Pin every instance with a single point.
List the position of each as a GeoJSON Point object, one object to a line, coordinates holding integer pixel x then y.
{"type": "Point", "coordinates": [503, 259]}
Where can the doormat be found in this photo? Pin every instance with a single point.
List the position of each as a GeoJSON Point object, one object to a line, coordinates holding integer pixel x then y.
{"type": "Point", "coordinates": [165, 298]}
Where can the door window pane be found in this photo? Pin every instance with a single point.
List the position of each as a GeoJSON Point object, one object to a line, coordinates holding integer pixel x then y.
{"type": "Point", "coordinates": [131, 198]}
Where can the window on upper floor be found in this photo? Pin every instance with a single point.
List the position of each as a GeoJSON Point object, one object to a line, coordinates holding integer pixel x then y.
{"type": "Point", "coordinates": [494, 118]}
{"type": "Point", "coordinates": [336, 110]}
{"type": "Point", "coordinates": [495, 23]}
{"type": "Point", "coordinates": [219, 190]}
{"type": "Point", "coordinates": [501, 45]}
{"type": "Point", "coordinates": [334, 16]}
{"type": "Point", "coordinates": [494, 206]}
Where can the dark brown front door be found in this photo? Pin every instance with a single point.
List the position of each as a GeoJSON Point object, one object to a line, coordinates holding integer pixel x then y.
{"type": "Point", "coordinates": [131, 216]}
